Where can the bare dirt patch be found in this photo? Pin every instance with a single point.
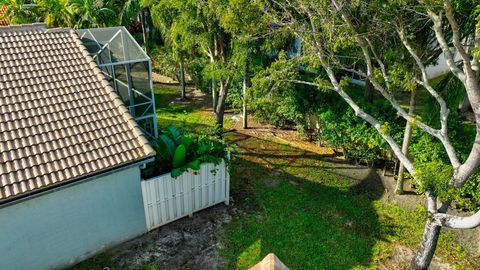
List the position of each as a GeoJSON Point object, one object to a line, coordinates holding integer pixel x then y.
{"type": "Point", "coordinates": [189, 243]}
{"type": "Point", "coordinates": [158, 78]}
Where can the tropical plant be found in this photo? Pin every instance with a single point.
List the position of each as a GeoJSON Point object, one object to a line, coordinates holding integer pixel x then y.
{"type": "Point", "coordinates": [177, 152]}
{"type": "Point", "coordinates": [172, 148]}
{"type": "Point", "coordinates": [129, 11]}
{"type": "Point", "coordinates": [92, 13]}
{"type": "Point", "coordinates": [57, 13]}
{"type": "Point", "coordinates": [209, 29]}
{"type": "Point", "coordinates": [176, 22]}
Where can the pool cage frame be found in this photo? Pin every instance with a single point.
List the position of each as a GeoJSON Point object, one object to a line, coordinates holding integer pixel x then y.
{"type": "Point", "coordinates": [115, 51]}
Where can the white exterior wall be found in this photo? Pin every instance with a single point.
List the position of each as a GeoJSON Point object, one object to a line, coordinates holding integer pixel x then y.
{"type": "Point", "coordinates": [62, 227]}
{"type": "Point", "coordinates": [441, 67]}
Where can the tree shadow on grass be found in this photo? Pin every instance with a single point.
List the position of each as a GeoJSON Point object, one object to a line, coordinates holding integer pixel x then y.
{"type": "Point", "coordinates": [311, 218]}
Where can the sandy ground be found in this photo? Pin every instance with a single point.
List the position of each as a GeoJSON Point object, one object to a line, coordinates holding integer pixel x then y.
{"type": "Point", "coordinates": [188, 243]}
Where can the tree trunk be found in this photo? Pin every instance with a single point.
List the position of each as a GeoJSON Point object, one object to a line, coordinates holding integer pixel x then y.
{"type": "Point", "coordinates": [425, 253]}
{"type": "Point", "coordinates": [406, 141]}
{"type": "Point", "coordinates": [244, 91]}
{"type": "Point", "coordinates": [221, 103]}
{"type": "Point", "coordinates": [182, 80]}
{"type": "Point", "coordinates": [141, 18]}
{"type": "Point", "coordinates": [214, 95]}
{"type": "Point", "coordinates": [368, 92]}
{"type": "Point", "coordinates": [145, 20]}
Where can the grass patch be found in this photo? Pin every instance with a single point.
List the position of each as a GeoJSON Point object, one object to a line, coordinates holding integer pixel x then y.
{"type": "Point", "coordinates": [192, 118]}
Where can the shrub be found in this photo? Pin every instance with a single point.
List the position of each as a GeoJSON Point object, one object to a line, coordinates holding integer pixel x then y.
{"type": "Point", "coordinates": [289, 104]}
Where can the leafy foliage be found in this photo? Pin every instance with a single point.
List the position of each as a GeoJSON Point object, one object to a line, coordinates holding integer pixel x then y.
{"type": "Point", "coordinates": [276, 99]}
{"type": "Point", "coordinates": [71, 13]}
{"type": "Point", "coordinates": [282, 103]}
{"type": "Point", "coordinates": [177, 152]}
{"type": "Point", "coordinates": [17, 13]}
{"type": "Point", "coordinates": [92, 13]}
{"type": "Point", "coordinates": [430, 158]}
{"type": "Point", "coordinates": [57, 12]}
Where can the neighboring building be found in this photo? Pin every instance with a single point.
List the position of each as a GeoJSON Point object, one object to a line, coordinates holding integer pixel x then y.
{"type": "Point", "coordinates": [3, 10]}
{"type": "Point", "coordinates": [70, 153]}
{"type": "Point", "coordinates": [440, 67]}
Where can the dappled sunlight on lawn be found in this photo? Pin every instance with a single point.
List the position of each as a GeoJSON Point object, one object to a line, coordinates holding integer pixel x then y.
{"type": "Point", "coordinates": [312, 221]}
{"type": "Point", "coordinates": [313, 212]}
{"type": "Point", "coordinates": [192, 115]}
{"type": "Point", "coordinates": [253, 251]}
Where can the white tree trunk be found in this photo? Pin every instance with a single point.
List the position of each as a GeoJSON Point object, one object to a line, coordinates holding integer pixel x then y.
{"type": "Point", "coordinates": [467, 73]}
{"type": "Point", "coordinates": [222, 95]}
{"type": "Point", "coordinates": [182, 80]}
{"type": "Point", "coordinates": [425, 253]}
{"type": "Point", "coordinates": [244, 92]}
{"type": "Point", "coordinates": [214, 95]}
{"type": "Point", "coordinates": [406, 141]}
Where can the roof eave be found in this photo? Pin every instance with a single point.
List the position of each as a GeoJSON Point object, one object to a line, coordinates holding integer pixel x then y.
{"type": "Point", "coordinates": [77, 180]}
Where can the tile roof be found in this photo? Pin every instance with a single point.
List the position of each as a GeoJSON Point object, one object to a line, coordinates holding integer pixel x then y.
{"type": "Point", "coordinates": [3, 22]}
{"type": "Point", "coordinates": [60, 120]}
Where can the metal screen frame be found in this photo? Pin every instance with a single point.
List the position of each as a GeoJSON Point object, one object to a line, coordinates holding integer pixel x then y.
{"type": "Point", "coordinates": [132, 54]}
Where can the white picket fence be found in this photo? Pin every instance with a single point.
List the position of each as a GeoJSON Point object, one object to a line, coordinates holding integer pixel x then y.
{"type": "Point", "coordinates": [167, 199]}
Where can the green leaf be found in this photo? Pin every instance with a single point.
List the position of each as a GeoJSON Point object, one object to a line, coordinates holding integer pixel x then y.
{"type": "Point", "coordinates": [179, 157]}
{"type": "Point", "coordinates": [194, 165]}
{"type": "Point", "coordinates": [187, 141]}
{"type": "Point", "coordinates": [203, 148]}
{"type": "Point", "coordinates": [174, 134]}
{"type": "Point", "coordinates": [165, 147]}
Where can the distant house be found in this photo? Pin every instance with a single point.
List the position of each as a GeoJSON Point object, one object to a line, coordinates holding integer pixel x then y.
{"type": "Point", "coordinates": [70, 153]}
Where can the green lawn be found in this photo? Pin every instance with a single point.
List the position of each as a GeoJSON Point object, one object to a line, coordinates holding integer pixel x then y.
{"type": "Point", "coordinates": [190, 118]}
{"type": "Point", "coordinates": [315, 214]}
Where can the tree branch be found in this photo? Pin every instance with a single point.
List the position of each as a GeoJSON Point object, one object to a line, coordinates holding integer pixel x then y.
{"type": "Point", "coordinates": [380, 63]}
{"type": "Point", "coordinates": [301, 82]}
{"type": "Point", "coordinates": [456, 35]}
{"type": "Point", "coordinates": [455, 222]}
{"type": "Point", "coordinates": [358, 111]}
{"type": "Point", "coordinates": [364, 47]}
{"type": "Point", "coordinates": [449, 57]}
{"type": "Point", "coordinates": [444, 111]}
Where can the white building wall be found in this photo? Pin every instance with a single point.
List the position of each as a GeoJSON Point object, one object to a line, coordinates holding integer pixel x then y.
{"type": "Point", "coordinates": [63, 227]}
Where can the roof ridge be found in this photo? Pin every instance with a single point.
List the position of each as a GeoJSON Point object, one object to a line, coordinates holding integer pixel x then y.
{"type": "Point", "coordinates": [23, 27]}
{"type": "Point", "coordinates": [117, 100]}
{"type": "Point", "coordinates": [58, 29]}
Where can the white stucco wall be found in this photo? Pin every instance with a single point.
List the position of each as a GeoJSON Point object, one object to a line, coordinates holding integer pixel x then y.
{"type": "Point", "coordinates": [440, 67]}
{"type": "Point", "coordinates": [59, 228]}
